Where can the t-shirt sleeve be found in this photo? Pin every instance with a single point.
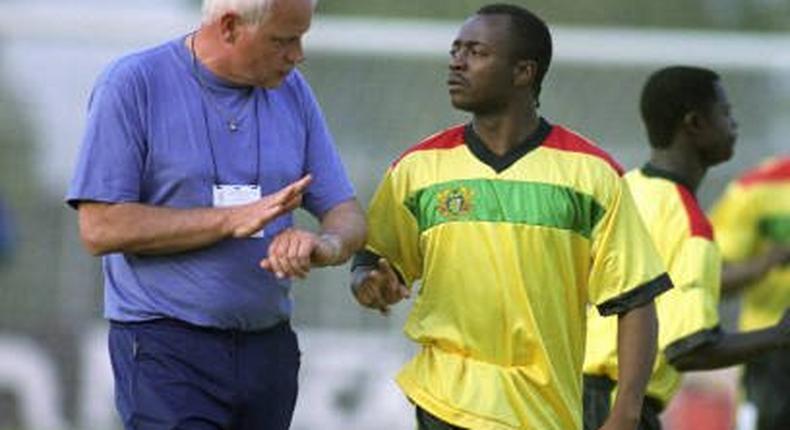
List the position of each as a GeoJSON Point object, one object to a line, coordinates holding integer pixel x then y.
{"type": "Point", "coordinates": [626, 270]}
{"type": "Point", "coordinates": [331, 184]}
{"type": "Point", "coordinates": [393, 232]}
{"type": "Point", "coordinates": [110, 161]}
{"type": "Point", "coordinates": [691, 317]}
{"type": "Point", "coordinates": [734, 221]}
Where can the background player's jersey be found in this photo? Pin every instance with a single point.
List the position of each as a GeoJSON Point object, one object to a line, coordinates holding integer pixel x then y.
{"type": "Point", "coordinates": [510, 251]}
{"type": "Point", "coordinates": [753, 214]}
{"type": "Point", "coordinates": [687, 314]}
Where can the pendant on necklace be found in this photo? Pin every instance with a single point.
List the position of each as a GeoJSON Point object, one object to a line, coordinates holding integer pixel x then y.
{"type": "Point", "coordinates": [233, 126]}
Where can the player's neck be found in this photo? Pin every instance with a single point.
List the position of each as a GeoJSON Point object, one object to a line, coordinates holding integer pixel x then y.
{"type": "Point", "coordinates": [680, 165]}
{"type": "Point", "coordinates": [501, 133]}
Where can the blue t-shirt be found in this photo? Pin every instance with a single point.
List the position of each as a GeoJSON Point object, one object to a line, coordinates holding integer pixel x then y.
{"type": "Point", "coordinates": [158, 135]}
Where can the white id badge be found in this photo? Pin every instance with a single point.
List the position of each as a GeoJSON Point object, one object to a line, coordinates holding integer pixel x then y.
{"type": "Point", "coordinates": [233, 195]}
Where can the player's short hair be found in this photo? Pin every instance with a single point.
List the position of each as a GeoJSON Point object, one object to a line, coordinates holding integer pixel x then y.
{"type": "Point", "coordinates": [671, 93]}
{"type": "Point", "coordinates": [530, 38]}
{"type": "Point", "coordinates": [250, 11]}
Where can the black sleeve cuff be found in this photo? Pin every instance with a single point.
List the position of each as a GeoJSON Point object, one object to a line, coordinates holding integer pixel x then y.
{"type": "Point", "coordinates": [365, 258]}
{"type": "Point", "coordinates": [369, 259]}
{"type": "Point", "coordinates": [636, 297]}
{"type": "Point", "coordinates": [691, 342]}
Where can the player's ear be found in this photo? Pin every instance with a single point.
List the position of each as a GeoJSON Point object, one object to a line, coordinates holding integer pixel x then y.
{"type": "Point", "coordinates": [693, 121]}
{"type": "Point", "coordinates": [524, 73]}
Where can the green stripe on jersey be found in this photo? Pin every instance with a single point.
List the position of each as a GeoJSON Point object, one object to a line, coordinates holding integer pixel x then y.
{"type": "Point", "coordinates": [515, 202]}
{"type": "Point", "coordinates": [776, 228]}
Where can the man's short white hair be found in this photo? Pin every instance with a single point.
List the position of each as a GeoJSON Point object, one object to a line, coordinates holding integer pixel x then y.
{"type": "Point", "coordinates": [251, 11]}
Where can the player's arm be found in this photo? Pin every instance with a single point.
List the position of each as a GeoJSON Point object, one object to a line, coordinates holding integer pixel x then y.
{"type": "Point", "coordinates": [736, 276]}
{"type": "Point", "coordinates": [730, 349]}
{"type": "Point", "coordinates": [628, 292]}
{"type": "Point", "coordinates": [637, 330]}
{"type": "Point", "coordinates": [145, 229]}
{"type": "Point", "coordinates": [383, 272]}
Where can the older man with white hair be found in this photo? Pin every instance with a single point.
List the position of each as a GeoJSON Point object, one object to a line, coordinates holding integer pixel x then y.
{"type": "Point", "coordinates": [194, 155]}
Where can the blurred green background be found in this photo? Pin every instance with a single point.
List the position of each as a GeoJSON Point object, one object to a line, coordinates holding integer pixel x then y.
{"type": "Point", "coordinates": [760, 15]}
{"type": "Point", "coordinates": [50, 289]}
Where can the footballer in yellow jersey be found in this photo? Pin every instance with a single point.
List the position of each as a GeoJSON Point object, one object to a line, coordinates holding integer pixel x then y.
{"type": "Point", "coordinates": [690, 129]}
{"type": "Point", "coordinates": [509, 255]}
{"type": "Point", "coordinates": [687, 314]}
{"type": "Point", "coordinates": [752, 217]}
{"type": "Point", "coordinates": [752, 220]}
{"type": "Point", "coordinates": [513, 226]}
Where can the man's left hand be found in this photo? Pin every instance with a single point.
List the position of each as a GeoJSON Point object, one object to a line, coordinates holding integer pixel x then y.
{"type": "Point", "coordinates": [294, 252]}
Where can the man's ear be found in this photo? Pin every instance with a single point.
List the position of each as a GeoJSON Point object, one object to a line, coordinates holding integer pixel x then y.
{"type": "Point", "coordinates": [229, 27]}
{"type": "Point", "coordinates": [693, 121]}
{"type": "Point", "coordinates": [525, 72]}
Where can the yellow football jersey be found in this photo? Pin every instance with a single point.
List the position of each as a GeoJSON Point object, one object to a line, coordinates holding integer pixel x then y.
{"type": "Point", "coordinates": [753, 214]}
{"type": "Point", "coordinates": [510, 250]}
{"type": "Point", "coordinates": [687, 314]}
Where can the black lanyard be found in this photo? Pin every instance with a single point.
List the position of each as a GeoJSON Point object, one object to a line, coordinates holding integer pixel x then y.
{"type": "Point", "coordinates": [206, 94]}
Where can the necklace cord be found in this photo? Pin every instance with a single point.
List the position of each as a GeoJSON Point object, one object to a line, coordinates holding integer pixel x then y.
{"type": "Point", "coordinates": [232, 124]}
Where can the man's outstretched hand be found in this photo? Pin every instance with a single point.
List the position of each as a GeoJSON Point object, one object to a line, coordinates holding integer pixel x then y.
{"type": "Point", "coordinates": [245, 220]}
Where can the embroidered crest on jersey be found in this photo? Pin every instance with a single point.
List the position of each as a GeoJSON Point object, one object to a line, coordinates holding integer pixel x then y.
{"type": "Point", "coordinates": [455, 202]}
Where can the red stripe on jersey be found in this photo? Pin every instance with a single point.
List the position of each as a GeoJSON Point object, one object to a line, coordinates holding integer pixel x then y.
{"type": "Point", "coordinates": [776, 171]}
{"type": "Point", "coordinates": [446, 139]}
{"type": "Point", "coordinates": [698, 222]}
{"type": "Point", "coordinates": [565, 140]}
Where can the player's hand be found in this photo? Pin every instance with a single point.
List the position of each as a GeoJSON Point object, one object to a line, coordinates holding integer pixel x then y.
{"type": "Point", "coordinates": [245, 220]}
{"type": "Point", "coordinates": [294, 252]}
{"type": "Point", "coordinates": [378, 288]}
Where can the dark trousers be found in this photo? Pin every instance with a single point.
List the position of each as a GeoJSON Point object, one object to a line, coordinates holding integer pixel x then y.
{"type": "Point", "coordinates": [426, 421]}
{"type": "Point", "coordinates": [767, 382]}
{"type": "Point", "coordinates": [171, 375]}
{"type": "Point", "coordinates": [597, 404]}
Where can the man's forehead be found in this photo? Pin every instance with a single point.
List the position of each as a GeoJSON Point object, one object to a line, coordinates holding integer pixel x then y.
{"type": "Point", "coordinates": [292, 17]}
{"type": "Point", "coordinates": [487, 29]}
